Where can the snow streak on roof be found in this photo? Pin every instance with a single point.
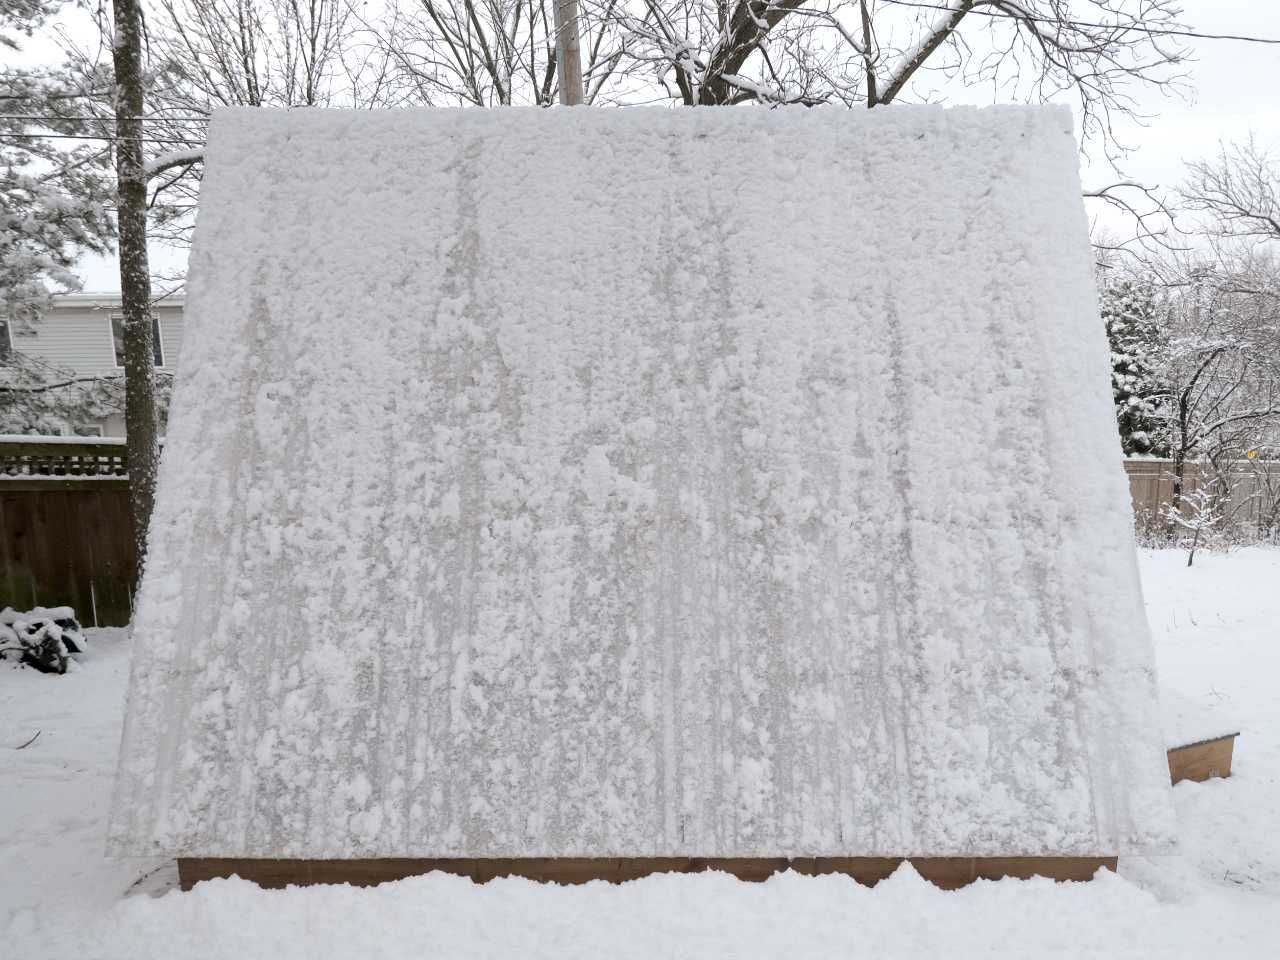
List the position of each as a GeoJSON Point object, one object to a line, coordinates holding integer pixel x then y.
{"type": "Point", "coordinates": [620, 483]}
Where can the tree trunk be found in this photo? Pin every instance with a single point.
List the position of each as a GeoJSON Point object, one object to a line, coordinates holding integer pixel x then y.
{"type": "Point", "coordinates": [135, 275]}
{"type": "Point", "coordinates": [1180, 454]}
{"type": "Point", "coordinates": [1175, 500]}
{"type": "Point", "coordinates": [1179, 478]}
{"type": "Point", "coordinates": [568, 52]}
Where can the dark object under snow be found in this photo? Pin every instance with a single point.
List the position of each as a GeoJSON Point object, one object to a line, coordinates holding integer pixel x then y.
{"type": "Point", "coordinates": [43, 638]}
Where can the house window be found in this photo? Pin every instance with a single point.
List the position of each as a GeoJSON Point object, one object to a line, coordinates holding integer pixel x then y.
{"type": "Point", "coordinates": [6, 340]}
{"type": "Point", "coordinates": [117, 340]}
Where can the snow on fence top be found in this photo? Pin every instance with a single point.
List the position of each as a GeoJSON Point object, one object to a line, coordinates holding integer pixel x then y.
{"type": "Point", "coordinates": [627, 483]}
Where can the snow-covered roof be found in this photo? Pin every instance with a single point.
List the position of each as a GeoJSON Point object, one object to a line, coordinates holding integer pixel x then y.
{"type": "Point", "coordinates": [110, 299]}
{"type": "Point", "coordinates": [28, 438]}
{"type": "Point", "coordinates": [630, 483]}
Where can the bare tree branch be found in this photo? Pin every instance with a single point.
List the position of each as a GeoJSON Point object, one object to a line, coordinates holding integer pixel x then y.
{"type": "Point", "coordinates": [1239, 190]}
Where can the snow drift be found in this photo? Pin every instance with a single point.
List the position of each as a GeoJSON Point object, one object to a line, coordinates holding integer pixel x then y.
{"type": "Point", "coordinates": [636, 483]}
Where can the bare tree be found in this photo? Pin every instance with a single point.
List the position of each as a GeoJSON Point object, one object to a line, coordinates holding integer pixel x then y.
{"type": "Point", "coordinates": [1224, 384]}
{"type": "Point", "coordinates": [1238, 192]}
{"type": "Point", "coordinates": [698, 52]}
{"type": "Point", "coordinates": [260, 53]}
{"type": "Point", "coordinates": [282, 53]}
{"type": "Point", "coordinates": [1233, 290]}
{"type": "Point", "coordinates": [863, 52]}
{"type": "Point", "coordinates": [1217, 360]}
{"type": "Point", "coordinates": [488, 53]}
{"type": "Point", "coordinates": [868, 53]}
{"type": "Point", "coordinates": [875, 52]}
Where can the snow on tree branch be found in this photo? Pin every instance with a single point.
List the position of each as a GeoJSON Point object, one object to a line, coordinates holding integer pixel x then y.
{"type": "Point", "coordinates": [167, 161]}
{"type": "Point", "coordinates": [54, 191]}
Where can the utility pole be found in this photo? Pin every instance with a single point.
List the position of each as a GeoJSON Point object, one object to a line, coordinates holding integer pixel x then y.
{"type": "Point", "coordinates": [135, 273]}
{"type": "Point", "coordinates": [568, 53]}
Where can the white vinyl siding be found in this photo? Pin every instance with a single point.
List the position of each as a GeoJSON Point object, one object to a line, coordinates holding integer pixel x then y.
{"type": "Point", "coordinates": [75, 336]}
{"type": "Point", "coordinates": [113, 426]}
{"type": "Point", "coordinates": [78, 338]}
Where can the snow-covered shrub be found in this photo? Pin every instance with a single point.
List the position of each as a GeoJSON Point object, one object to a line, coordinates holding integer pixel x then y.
{"type": "Point", "coordinates": [1199, 516]}
{"type": "Point", "coordinates": [43, 638]}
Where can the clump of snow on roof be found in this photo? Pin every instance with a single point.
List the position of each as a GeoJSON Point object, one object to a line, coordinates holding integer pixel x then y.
{"type": "Point", "coordinates": [590, 483]}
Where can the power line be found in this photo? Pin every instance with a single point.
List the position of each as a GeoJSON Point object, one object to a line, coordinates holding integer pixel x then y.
{"type": "Point", "coordinates": [103, 119]}
{"type": "Point", "coordinates": [1136, 27]}
{"type": "Point", "coordinates": [97, 136]}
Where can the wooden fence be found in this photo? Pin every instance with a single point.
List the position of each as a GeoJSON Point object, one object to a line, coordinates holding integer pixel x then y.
{"type": "Point", "coordinates": [1251, 488]}
{"type": "Point", "coordinates": [64, 528]}
{"type": "Point", "coordinates": [64, 519]}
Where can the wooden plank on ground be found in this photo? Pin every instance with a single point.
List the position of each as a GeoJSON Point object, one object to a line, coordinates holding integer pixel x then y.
{"type": "Point", "coordinates": [946, 872]}
{"type": "Point", "coordinates": [1202, 760]}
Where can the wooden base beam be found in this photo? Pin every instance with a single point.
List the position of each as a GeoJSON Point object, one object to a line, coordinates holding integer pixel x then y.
{"type": "Point", "coordinates": [1202, 760]}
{"type": "Point", "coordinates": [945, 872]}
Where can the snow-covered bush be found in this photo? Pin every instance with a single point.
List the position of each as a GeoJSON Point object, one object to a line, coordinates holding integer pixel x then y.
{"type": "Point", "coordinates": [1199, 516]}
{"type": "Point", "coordinates": [43, 638]}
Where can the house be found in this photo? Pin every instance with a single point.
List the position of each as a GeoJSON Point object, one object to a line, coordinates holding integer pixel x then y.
{"type": "Point", "coordinates": [559, 492]}
{"type": "Point", "coordinates": [79, 336]}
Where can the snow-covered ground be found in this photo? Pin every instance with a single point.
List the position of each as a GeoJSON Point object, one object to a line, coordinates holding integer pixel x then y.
{"type": "Point", "coordinates": [1217, 631]}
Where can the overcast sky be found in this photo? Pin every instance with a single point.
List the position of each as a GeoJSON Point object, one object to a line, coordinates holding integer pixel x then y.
{"type": "Point", "coordinates": [1234, 90]}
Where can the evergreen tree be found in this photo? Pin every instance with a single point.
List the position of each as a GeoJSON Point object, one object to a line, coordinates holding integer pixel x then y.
{"type": "Point", "coordinates": [55, 189]}
{"type": "Point", "coordinates": [1132, 315]}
